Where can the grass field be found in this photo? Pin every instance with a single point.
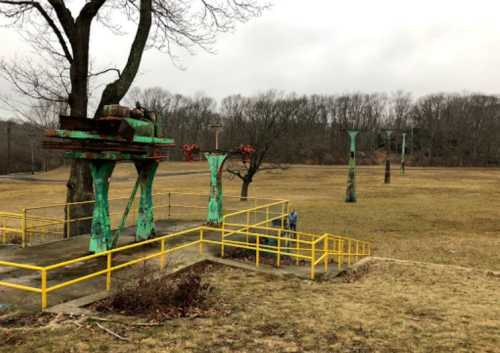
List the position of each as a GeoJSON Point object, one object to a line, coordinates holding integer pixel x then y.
{"type": "Point", "coordinates": [448, 216]}
{"type": "Point", "coordinates": [387, 306]}
{"type": "Point", "coordinates": [442, 295]}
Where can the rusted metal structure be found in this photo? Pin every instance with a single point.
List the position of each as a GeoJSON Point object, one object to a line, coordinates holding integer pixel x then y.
{"type": "Point", "coordinates": [387, 175]}
{"type": "Point", "coordinates": [121, 135]}
{"type": "Point", "coordinates": [189, 149]}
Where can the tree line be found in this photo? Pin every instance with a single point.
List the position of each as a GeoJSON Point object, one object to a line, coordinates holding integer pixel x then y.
{"type": "Point", "coordinates": [442, 129]}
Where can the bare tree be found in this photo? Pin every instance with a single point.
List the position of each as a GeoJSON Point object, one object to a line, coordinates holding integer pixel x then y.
{"type": "Point", "coordinates": [161, 24]}
{"type": "Point", "coordinates": [262, 121]}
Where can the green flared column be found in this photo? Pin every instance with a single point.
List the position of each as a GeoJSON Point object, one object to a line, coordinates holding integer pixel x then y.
{"type": "Point", "coordinates": [387, 175]}
{"type": "Point", "coordinates": [351, 174]}
{"type": "Point", "coordinates": [215, 210]}
{"type": "Point", "coordinates": [101, 237]}
{"type": "Point", "coordinates": [145, 226]}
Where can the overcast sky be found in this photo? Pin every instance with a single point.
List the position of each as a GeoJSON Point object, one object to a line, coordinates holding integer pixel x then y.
{"type": "Point", "coordinates": [331, 46]}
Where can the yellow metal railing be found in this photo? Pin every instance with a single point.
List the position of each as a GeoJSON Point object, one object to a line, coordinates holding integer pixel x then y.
{"type": "Point", "coordinates": [12, 228]}
{"type": "Point", "coordinates": [49, 222]}
{"type": "Point", "coordinates": [312, 248]}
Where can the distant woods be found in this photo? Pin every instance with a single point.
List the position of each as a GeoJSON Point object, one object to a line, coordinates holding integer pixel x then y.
{"type": "Point", "coordinates": [442, 129]}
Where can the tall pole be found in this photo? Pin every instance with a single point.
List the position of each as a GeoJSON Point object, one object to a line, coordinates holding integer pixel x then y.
{"type": "Point", "coordinates": [217, 128]}
{"type": "Point", "coordinates": [403, 150]}
{"type": "Point", "coordinates": [351, 174]}
{"type": "Point", "coordinates": [217, 138]}
{"type": "Point", "coordinates": [387, 178]}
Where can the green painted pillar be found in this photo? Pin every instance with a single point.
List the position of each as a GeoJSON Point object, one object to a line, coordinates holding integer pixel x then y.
{"type": "Point", "coordinates": [101, 238]}
{"type": "Point", "coordinates": [387, 178]}
{"type": "Point", "coordinates": [403, 151]}
{"type": "Point", "coordinates": [145, 226]}
{"type": "Point", "coordinates": [351, 174]}
{"type": "Point", "coordinates": [215, 209]}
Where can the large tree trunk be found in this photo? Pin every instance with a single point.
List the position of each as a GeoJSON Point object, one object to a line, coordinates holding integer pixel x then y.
{"type": "Point", "coordinates": [79, 185]}
{"type": "Point", "coordinates": [79, 189]}
{"type": "Point", "coordinates": [244, 189]}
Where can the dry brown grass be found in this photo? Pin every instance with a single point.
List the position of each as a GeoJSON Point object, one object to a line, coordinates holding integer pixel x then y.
{"type": "Point", "coordinates": [445, 216]}
{"type": "Point", "coordinates": [449, 216]}
{"type": "Point", "coordinates": [391, 307]}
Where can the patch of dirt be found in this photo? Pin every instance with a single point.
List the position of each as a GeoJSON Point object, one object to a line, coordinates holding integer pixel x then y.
{"type": "Point", "coordinates": [23, 319]}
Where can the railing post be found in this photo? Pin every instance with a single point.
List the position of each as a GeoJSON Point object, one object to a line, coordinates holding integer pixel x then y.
{"type": "Point", "coordinates": [349, 252]}
{"type": "Point", "coordinates": [248, 225]}
{"type": "Point", "coordinates": [313, 258]}
{"type": "Point", "coordinates": [357, 250]}
{"type": "Point", "coordinates": [23, 229]}
{"type": "Point", "coordinates": [108, 271]}
{"type": "Point", "coordinates": [267, 216]}
{"type": "Point", "coordinates": [162, 256]}
{"type": "Point", "coordinates": [222, 240]}
{"type": "Point", "coordinates": [201, 241]}
{"type": "Point", "coordinates": [257, 251]}
{"type": "Point", "coordinates": [43, 288]}
{"type": "Point", "coordinates": [325, 253]}
{"type": "Point", "coordinates": [278, 255]}
{"type": "Point", "coordinates": [341, 254]}
{"type": "Point", "coordinates": [297, 247]}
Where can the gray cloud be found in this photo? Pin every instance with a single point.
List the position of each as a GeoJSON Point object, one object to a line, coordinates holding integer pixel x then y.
{"type": "Point", "coordinates": [332, 46]}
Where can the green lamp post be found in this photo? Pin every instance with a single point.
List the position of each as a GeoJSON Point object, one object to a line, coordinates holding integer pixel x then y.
{"type": "Point", "coordinates": [351, 174]}
{"type": "Point", "coordinates": [387, 177]}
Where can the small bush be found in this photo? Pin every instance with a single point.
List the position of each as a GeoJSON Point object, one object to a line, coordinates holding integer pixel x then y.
{"type": "Point", "coordinates": [160, 299]}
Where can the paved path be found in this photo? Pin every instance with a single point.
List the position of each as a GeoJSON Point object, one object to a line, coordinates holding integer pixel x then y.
{"type": "Point", "coordinates": [35, 179]}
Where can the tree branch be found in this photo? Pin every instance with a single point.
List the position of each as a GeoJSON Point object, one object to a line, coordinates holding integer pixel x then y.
{"type": "Point", "coordinates": [47, 18]}
{"type": "Point", "coordinates": [116, 90]}
{"type": "Point", "coordinates": [118, 72]}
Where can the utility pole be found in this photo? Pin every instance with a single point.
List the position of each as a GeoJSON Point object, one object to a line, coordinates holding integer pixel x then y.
{"type": "Point", "coordinates": [216, 127]}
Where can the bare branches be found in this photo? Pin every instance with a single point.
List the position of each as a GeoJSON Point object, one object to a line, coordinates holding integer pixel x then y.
{"type": "Point", "coordinates": [35, 81]}
{"type": "Point", "coordinates": [188, 24]}
{"type": "Point", "coordinates": [19, 8]}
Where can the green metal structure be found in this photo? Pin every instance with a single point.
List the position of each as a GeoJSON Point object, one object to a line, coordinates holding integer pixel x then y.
{"type": "Point", "coordinates": [403, 152]}
{"type": "Point", "coordinates": [102, 151]}
{"type": "Point", "coordinates": [351, 174]}
{"type": "Point", "coordinates": [215, 206]}
{"type": "Point", "coordinates": [387, 177]}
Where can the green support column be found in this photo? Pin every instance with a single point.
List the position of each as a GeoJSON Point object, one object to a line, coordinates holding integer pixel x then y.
{"type": "Point", "coordinates": [215, 209]}
{"type": "Point", "coordinates": [145, 226]}
{"type": "Point", "coordinates": [387, 178]}
{"type": "Point", "coordinates": [101, 238]}
{"type": "Point", "coordinates": [351, 174]}
{"type": "Point", "coordinates": [403, 151]}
